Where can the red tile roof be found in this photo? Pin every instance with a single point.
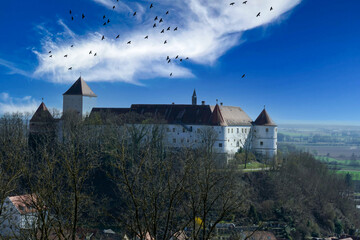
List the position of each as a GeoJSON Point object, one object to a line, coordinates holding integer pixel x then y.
{"type": "Point", "coordinates": [264, 119]}
{"type": "Point", "coordinates": [24, 203]}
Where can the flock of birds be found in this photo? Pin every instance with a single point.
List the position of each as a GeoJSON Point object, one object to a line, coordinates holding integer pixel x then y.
{"type": "Point", "coordinates": [157, 20]}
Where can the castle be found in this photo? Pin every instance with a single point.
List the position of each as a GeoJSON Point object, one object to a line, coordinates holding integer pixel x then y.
{"type": "Point", "coordinates": [184, 123]}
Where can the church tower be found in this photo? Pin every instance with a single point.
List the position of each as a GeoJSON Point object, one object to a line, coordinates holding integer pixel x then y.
{"type": "Point", "coordinates": [79, 98]}
{"type": "Point", "coordinates": [194, 98]}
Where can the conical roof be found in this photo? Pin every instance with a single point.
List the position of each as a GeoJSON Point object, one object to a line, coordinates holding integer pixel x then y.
{"type": "Point", "coordinates": [42, 114]}
{"type": "Point", "coordinates": [80, 87]}
{"type": "Point", "coordinates": [264, 119]}
{"type": "Point", "coordinates": [194, 93]}
{"type": "Point", "coordinates": [216, 117]}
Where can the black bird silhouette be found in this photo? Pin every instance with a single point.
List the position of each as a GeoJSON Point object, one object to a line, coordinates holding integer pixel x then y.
{"type": "Point", "coordinates": [232, 3]}
{"type": "Point", "coordinates": [161, 20]}
{"type": "Point", "coordinates": [175, 29]}
{"type": "Point", "coordinates": [170, 74]}
{"type": "Point", "coordinates": [165, 42]}
{"type": "Point", "coordinates": [72, 46]}
{"type": "Point", "coordinates": [129, 42]}
{"type": "Point", "coordinates": [90, 52]}
{"type": "Point", "coordinates": [95, 54]}
{"type": "Point", "coordinates": [168, 29]}
{"type": "Point", "coordinates": [72, 18]}
{"type": "Point", "coordinates": [70, 68]}
{"type": "Point", "coordinates": [134, 14]}
{"type": "Point", "coordinates": [156, 18]}
{"type": "Point", "coordinates": [271, 8]}
{"type": "Point", "coordinates": [65, 55]}
{"type": "Point", "coordinates": [167, 12]}
{"type": "Point", "coordinates": [154, 25]}
{"type": "Point", "coordinates": [162, 31]}
{"type": "Point", "coordinates": [243, 76]}
{"type": "Point", "coordinates": [146, 37]}
{"type": "Point", "coordinates": [50, 56]}
{"type": "Point", "coordinates": [104, 17]}
{"type": "Point", "coordinates": [49, 51]}
{"type": "Point", "coordinates": [180, 59]}
{"type": "Point", "coordinates": [169, 60]}
{"type": "Point", "coordinates": [103, 37]}
{"type": "Point", "coordinates": [104, 23]}
{"type": "Point", "coordinates": [177, 56]}
{"type": "Point", "coordinates": [244, 2]}
{"type": "Point", "coordinates": [151, 5]}
{"type": "Point", "coordinates": [108, 20]}
{"type": "Point", "coordinates": [70, 11]}
{"type": "Point", "coordinates": [187, 58]}
{"type": "Point", "coordinates": [113, 7]}
{"type": "Point", "coordinates": [117, 36]}
{"type": "Point", "coordinates": [82, 16]}
{"type": "Point", "coordinates": [258, 15]}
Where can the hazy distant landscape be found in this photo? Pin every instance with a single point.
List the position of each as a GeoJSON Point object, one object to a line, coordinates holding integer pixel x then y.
{"type": "Point", "coordinates": [337, 146]}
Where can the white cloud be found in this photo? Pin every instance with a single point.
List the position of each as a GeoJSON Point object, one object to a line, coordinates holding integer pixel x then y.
{"type": "Point", "coordinates": [10, 104]}
{"type": "Point", "coordinates": [206, 30]}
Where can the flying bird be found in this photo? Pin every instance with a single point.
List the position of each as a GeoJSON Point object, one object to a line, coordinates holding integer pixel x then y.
{"type": "Point", "coordinates": [162, 31]}
{"type": "Point", "coordinates": [90, 52]}
{"type": "Point", "coordinates": [70, 68]}
{"type": "Point", "coordinates": [177, 56]}
{"type": "Point", "coordinates": [187, 58]}
{"type": "Point", "coordinates": [146, 37]}
{"type": "Point", "coordinates": [117, 36]}
{"type": "Point", "coordinates": [154, 25]}
{"type": "Point", "coordinates": [169, 60]}
{"type": "Point", "coordinates": [113, 7]}
{"type": "Point", "coordinates": [244, 2]}
{"type": "Point", "coordinates": [70, 11]}
{"type": "Point", "coordinates": [65, 55]}
{"type": "Point", "coordinates": [180, 59]}
{"type": "Point", "coordinates": [156, 18]}
{"type": "Point", "coordinates": [72, 46]}
{"type": "Point", "coordinates": [129, 42]}
{"type": "Point", "coordinates": [103, 37]}
{"type": "Point", "coordinates": [161, 20]}
{"type": "Point", "coordinates": [258, 15]}
{"type": "Point", "coordinates": [134, 14]}
{"type": "Point", "coordinates": [50, 56]}
{"type": "Point", "coordinates": [232, 3]}
{"type": "Point", "coordinates": [72, 18]}
{"type": "Point", "coordinates": [167, 12]}
{"type": "Point", "coordinates": [104, 17]}
{"type": "Point", "coordinates": [168, 29]}
{"type": "Point", "coordinates": [49, 51]}
{"type": "Point", "coordinates": [104, 23]}
{"type": "Point", "coordinates": [108, 20]}
{"type": "Point", "coordinates": [170, 74]}
{"type": "Point", "coordinates": [95, 54]}
{"type": "Point", "coordinates": [175, 29]}
{"type": "Point", "coordinates": [271, 9]}
{"type": "Point", "coordinates": [243, 76]}
{"type": "Point", "coordinates": [82, 16]}
{"type": "Point", "coordinates": [151, 5]}
{"type": "Point", "coordinates": [165, 42]}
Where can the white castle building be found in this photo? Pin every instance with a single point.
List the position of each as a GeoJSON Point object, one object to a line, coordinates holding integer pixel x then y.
{"type": "Point", "coordinates": [184, 123]}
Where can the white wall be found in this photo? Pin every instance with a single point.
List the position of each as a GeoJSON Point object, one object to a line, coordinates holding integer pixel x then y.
{"type": "Point", "coordinates": [9, 220]}
{"type": "Point", "coordinates": [73, 103]}
{"type": "Point", "coordinates": [265, 140]}
{"type": "Point", "coordinates": [88, 104]}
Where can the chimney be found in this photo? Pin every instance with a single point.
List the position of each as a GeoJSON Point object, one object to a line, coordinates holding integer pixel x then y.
{"type": "Point", "coordinates": [202, 102]}
{"type": "Point", "coordinates": [221, 104]}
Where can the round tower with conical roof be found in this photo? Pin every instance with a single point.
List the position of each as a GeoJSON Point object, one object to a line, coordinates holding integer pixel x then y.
{"type": "Point", "coordinates": [79, 98]}
{"type": "Point", "coordinates": [264, 135]}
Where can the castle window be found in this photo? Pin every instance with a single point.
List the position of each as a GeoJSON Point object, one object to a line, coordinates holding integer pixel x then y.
{"type": "Point", "coordinates": [182, 140]}
{"type": "Point", "coordinates": [183, 129]}
{"type": "Point", "coordinates": [232, 130]}
{"type": "Point", "coordinates": [173, 129]}
{"type": "Point", "coordinates": [242, 130]}
{"type": "Point", "coordinates": [187, 140]}
{"type": "Point", "coordinates": [237, 130]}
{"type": "Point", "coordinates": [261, 143]}
{"type": "Point", "coordinates": [237, 144]}
{"type": "Point", "coordinates": [198, 130]}
{"type": "Point", "coordinates": [245, 130]}
{"type": "Point", "coordinates": [220, 144]}
{"type": "Point", "coordinates": [174, 140]}
{"type": "Point", "coordinates": [267, 130]}
{"type": "Point", "coordinates": [190, 128]}
{"type": "Point", "coordinates": [228, 130]}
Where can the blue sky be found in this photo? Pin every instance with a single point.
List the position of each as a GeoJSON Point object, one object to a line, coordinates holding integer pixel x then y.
{"type": "Point", "coordinates": [301, 60]}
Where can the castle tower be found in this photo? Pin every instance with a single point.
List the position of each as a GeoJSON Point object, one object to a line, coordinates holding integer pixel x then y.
{"type": "Point", "coordinates": [79, 98]}
{"type": "Point", "coordinates": [194, 98]}
{"type": "Point", "coordinates": [264, 139]}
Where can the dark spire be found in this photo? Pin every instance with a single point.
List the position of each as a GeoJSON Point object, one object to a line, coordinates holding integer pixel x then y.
{"type": "Point", "coordinates": [42, 114]}
{"type": "Point", "coordinates": [264, 119]}
{"type": "Point", "coordinates": [80, 88]}
{"type": "Point", "coordinates": [194, 98]}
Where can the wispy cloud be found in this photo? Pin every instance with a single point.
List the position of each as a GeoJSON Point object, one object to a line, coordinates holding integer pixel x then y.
{"type": "Point", "coordinates": [13, 69]}
{"type": "Point", "coordinates": [10, 104]}
{"type": "Point", "coordinates": [206, 30]}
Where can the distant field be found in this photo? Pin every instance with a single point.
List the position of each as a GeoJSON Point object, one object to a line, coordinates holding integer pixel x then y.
{"type": "Point", "coordinates": [338, 152]}
{"type": "Point", "coordinates": [354, 174]}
